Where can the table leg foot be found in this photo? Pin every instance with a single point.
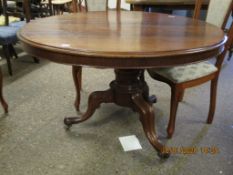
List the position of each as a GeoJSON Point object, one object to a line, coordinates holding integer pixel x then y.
{"type": "Point", "coordinates": [94, 101]}
{"type": "Point", "coordinates": [146, 112]}
{"type": "Point", "coordinates": [163, 155]}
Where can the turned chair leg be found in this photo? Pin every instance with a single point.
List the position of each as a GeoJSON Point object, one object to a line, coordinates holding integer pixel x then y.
{"type": "Point", "coordinates": [12, 50]}
{"type": "Point", "coordinates": [175, 96]}
{"type": "Point", "coordinates": [6, 51]}
{"type": "Point", "coordinates": [2, 100]}
{"type": "Point", "coordinates": [213, 94]}
{"type": "Point", "coordinates": [77, 77]}
{"type": "Point", "coordinates": [230, 55]}
{"type": "Point", "coordinates": [181, 96]}
{"type": "Point", "coordinates": [36, 60]}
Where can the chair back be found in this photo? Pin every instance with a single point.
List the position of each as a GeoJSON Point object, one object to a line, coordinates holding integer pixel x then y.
{"type": "Point", "coordinates": [197, 10]}
{"type": "Point", "coordinates": [218, 14]}
{"type": "Point", "coordinates": [228, 45]}
{"type": "Point", "coordinates": [99, 5]}
{"type": "Point", "coordinates": [218, 11]}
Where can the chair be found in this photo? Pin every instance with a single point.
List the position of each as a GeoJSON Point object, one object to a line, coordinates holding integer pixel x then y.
{"type": "Point", "coordinates": [8, 38]}
{"type": "Point", "coordinates": [77, 6]}
{"type": "Point", "coordinates": [90, 5]}
{"type": "Point", "coordinates": [37, 8]}
{"type": "Point", "coordinates": [58, 6]}
{"type": "Point", "coordinates": [8, 33]}
{"type": "Point", "coordinates": [100, 5]}
{"type": "Point", "coordinates": [179, 78]}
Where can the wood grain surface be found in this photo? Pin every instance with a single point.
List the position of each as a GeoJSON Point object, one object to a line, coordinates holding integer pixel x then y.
{"type": "Point", "coordinates": [137, 38]}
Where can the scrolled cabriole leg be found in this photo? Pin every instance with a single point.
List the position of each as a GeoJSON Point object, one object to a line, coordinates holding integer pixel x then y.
{"type": "Point", "coordinates": [94, 101]}
{"type": "Point", "coordinates": [146, 112]}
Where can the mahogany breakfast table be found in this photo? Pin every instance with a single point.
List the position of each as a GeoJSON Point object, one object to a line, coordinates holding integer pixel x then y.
{"type": "Point", "coordinates": [129, 43]}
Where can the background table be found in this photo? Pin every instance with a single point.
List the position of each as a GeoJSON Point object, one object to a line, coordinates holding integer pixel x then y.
{"type": "Point", "coordinates": [128, 42]}
{"type": "Point", "coordinates": [172, 4]}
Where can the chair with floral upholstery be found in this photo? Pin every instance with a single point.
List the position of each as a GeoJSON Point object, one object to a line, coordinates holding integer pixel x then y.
{"type": "Point", "coordinates": [181, 77]}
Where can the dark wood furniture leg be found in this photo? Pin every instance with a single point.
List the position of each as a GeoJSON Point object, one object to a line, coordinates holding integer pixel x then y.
{"type": "Point", "coordinates": [213, 94]}
{"type": "Point", "coordinates": [9, 51]}
{"type": "Point", "coordinates": [138, 8]}
{"type": "Point", "coordinates": [175, 97]}
{"type": "Point", "coordinates": [129, 89]}
{"type": "Point", "coordinates": [6, 51]}
{"type": "Point", "coordinates": [2, 100]}
{"type": "Point", "coordinates": [94, 101]}
{"type": "Point", "coordinates": [181, 95]}
{"type": "Point", "coordinates": [77, 77]}
{"type": "Point", "coordinates": [146, 112]}
{"type": "Point", "coordinates": [12, 49]}
{"type": "Point", "coordinates": [36, 60]}
{"type": "Point", "coordinates": [230, 55]}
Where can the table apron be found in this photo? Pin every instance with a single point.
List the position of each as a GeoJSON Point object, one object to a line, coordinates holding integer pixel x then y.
{"type": "Point", "coordinates": [121, 62]}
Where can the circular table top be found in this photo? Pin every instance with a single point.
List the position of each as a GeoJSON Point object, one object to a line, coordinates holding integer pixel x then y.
{"type": "Point", "coordinates": [121, 40]}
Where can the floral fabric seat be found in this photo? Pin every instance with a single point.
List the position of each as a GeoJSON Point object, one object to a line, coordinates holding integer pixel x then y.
{"type": "Point", "coordinates": [180, 74]}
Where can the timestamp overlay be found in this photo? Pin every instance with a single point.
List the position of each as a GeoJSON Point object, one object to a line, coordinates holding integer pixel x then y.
{"type": "Point", "coordinates": [213, 150]}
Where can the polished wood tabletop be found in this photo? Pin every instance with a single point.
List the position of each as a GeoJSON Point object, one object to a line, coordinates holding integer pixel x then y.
{"type": "Point", "coordinates": [123, 40]}
{"type": "Point", "coordinates": [128, 42]}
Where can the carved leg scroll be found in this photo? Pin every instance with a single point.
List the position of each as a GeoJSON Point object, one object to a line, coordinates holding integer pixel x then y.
{"type": "Point", "coordinates": [147, 119]}
{"type": "Point", "coordinates": [94, 101]}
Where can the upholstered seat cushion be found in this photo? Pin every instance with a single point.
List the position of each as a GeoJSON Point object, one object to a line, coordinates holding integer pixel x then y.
{"type": "Point", "coordinates": [8, 35]}
{"type": "Point", "coordinates": [18, 24]}
{"type": "Point", "coordinates": [182, 74]}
